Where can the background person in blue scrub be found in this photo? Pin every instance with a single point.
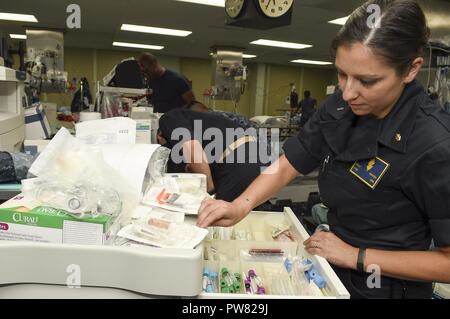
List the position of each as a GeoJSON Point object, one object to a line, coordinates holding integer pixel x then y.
{"type": "Point", "coordinates": [170, 89]}
{"type": "Point", "coordinates": [383, 151]}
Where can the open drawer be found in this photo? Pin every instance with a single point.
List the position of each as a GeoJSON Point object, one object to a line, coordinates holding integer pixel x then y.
{"type": "Point", "coordinates": [149, 272]}
{"type": "Point", "coordinates": [250, 248]}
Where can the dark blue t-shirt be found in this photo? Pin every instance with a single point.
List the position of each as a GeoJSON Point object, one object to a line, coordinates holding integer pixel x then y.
{"type": "Point", "coordinates": [308, 105]}
{"type": "Point", "coordinates": [168, 91]}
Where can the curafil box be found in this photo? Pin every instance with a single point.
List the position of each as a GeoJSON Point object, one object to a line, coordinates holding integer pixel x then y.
{"type": "Point", "coordinates": [22, 220]}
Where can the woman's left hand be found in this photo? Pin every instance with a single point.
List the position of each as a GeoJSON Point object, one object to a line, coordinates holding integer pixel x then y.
{"type": "Point", "coordinates": [333, 249]}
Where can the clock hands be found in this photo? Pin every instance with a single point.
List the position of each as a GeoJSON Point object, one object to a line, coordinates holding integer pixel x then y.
{"type": "Point", "coordinates": [268, 3]}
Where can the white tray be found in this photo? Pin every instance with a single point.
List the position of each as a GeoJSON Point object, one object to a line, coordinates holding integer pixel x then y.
{"type": "Point", "coordinates": [335, 288]}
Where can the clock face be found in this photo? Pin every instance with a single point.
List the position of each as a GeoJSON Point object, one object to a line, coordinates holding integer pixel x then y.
{"type": "Point", "coordinates": [275, 8]}
{"type": "Point", "coordinates": [234, 7]}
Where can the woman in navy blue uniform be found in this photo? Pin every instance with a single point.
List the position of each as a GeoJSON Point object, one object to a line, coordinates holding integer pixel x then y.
{"type": "Point", "coordinates": [382, 148]}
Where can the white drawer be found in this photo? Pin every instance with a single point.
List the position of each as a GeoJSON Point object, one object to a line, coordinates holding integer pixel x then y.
{"type": "Point", "coordinates": [232, 255]}
{"type": "Point", "coordinates": [144, 270]}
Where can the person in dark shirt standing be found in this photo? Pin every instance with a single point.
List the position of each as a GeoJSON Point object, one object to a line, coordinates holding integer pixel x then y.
{"type": "Point", "coordinates": [170, 89]}
{"type": "Point", "coordinates": [307, 106]}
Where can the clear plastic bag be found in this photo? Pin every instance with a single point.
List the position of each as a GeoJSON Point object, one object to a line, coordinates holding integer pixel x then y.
{"type": "Point", "coordinates": [22, 163]}
{"type": "Point", "coordinates": [80, 179]}
{"type": "Point", "coordinates": [7, 172]}
{"type": "Point", "coordinates": [157, 166]}
{"type": "Point", "coordinates": [80, 199]}
{"type": "Point", "coordinates": [112, 105]}
{"type": "Point", "coordinates": [14, 166]}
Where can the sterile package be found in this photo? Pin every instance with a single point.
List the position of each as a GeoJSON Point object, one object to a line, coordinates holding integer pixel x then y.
{"type": "Point", "coordinates": [159, 213]}
{"type": "Point", "coordinates": [163, 233]}
{"type": "Point", "coordinates": [177, 194]}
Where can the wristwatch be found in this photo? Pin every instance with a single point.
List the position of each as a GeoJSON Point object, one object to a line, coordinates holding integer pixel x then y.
{"type": "Point", "coordinates": [361, 258]}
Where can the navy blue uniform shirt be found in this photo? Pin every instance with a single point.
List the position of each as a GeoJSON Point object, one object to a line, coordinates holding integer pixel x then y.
{"type": "Point", "coordinates": [386, 181]}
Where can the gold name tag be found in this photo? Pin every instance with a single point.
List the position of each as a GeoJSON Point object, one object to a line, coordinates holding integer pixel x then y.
{"type": "Point", "coordinates": [370, 172]}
